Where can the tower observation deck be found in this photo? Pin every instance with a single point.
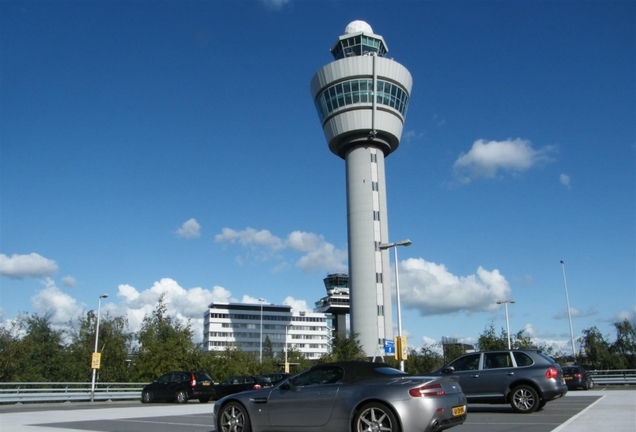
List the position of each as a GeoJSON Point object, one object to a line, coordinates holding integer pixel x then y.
{"type": "Point", "coordinates": [362, 99]}
{"type": "Point", "coordinates": [336, 302]}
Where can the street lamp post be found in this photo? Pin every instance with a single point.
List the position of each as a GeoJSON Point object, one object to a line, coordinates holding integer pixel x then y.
{"type": "Point", "coordinates": [567, 301]}
{"type": "Point", "coordinates": [99, 306]}
{"type": "Point", "coordinates": [286, 362]}
{"type": "Point", "coordinates": [505, 303]}
{"type": "Point", "coordinates": [394, 245]}
{"type": "Point", "coordinates": [261, 300]}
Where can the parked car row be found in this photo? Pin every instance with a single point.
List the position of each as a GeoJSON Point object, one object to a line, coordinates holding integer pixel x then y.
{"type": "Point", "coordinates": [182, 386]}
{"type": "Point", "coordinates": [363, 395]}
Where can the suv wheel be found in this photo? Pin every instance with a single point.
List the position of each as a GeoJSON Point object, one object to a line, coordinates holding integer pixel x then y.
{"type": "Point", "coordinates": [524, 399]}
{"type": "Point", "coordinates": [181, 396]}
{"type": "Point", "coordinates": [146, 397]}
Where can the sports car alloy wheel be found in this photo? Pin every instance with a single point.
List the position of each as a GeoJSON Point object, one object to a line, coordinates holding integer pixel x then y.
{"type": "Point", "coordinates": [375, 417]}
{"type": "Point", "coordinates": [524, 399]}
{"type": "Point", "coordinates": [233, 418]}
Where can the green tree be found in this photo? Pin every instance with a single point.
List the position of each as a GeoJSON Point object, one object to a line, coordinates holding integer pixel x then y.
{"type": "Point", "coordinates": [488, 340]}
{"type": "Point", "coordinates": [521, 341]}
{"type": "Point", "coordinates": [343, 349]}
{"type": "Point", "coordinates": [232, 361]}
{"type": "Point", "coordinates": [164, 345]}
{"type": "Point", "coordinates": [624, 348]}
{"type": "Point", "coordinates": [452, 350]}
{"type": "Point", "coordinates": [268, 351]}
{"type": "Point", "coordinates": [41, 351]}
{"type": "Point", "coordinates": [596, 350]}
{"type": "Point", "coordinates": [427, 359]}
{"type": "Point", "coordinates": [296, 359]}
{"type": "Point", "coordinates": [10, 350]}
{"type": "Point", "coordinates": [114, 346]}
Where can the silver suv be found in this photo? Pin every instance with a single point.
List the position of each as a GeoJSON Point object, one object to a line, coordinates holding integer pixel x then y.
{"type": "Point", "coordinates": [525, 379]}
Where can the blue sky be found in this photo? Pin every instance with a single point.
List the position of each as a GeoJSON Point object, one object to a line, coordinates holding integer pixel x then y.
{"type": "Point", "coordinates": [173, 147]}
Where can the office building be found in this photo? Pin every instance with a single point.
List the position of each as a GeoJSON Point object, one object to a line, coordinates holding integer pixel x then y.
{"type": "Point", "coordinates": [247, 327]}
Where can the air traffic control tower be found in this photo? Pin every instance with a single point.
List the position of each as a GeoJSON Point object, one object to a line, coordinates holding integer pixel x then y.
{"type": "Point", "coordinates": [361, 98]}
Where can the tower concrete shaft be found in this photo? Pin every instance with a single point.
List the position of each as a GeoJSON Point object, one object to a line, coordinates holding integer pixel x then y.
{"type": "Point", "coordinates": [362, 98]}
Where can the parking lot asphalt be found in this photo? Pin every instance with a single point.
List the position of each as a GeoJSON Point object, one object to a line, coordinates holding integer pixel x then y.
{"type": "Point", "coordinates": [579, 411]}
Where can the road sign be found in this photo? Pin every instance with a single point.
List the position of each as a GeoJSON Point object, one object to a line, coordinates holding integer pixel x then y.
{"type": "Point", "coordinates": [389, 347]}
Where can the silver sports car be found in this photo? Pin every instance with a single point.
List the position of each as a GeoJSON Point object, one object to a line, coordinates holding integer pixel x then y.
{"type": "Point", "coordinates": [346, 397]}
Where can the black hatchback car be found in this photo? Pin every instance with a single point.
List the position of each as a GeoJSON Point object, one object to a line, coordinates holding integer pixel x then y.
{"type": "Point", "coordinates": [525, 379]}
{"type": "Point", "coordinates": [180, 387]}
{"type": "Point", "coordinates": [576, 377]}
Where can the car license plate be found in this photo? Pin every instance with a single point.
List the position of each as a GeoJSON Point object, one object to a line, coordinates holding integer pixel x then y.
{"type": "Point", "coordinates": [206, 383]}
{"type": "Point", "coordinates": [459, 410]}
{"type": "Point", "coordinates": [568, 378]}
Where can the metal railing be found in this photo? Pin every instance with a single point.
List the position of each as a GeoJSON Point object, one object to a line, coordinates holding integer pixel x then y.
{"type": "Point", "coordinates": [18, 392]}
{"type": "Point", "coordinates": [614, 377]}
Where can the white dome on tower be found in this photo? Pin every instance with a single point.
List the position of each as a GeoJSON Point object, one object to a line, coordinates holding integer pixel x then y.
{"type": "Point", "coordinates": [358, 26]}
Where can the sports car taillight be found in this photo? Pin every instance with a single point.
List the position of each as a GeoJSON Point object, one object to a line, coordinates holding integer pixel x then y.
{"type": "Point", "coordinates": [552, 372]}
{"type": "Point", "coordinates": [428, 390]}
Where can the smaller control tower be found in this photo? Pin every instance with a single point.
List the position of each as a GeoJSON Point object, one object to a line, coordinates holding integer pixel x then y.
{"type": "Point", "coordinates": [361, 98]}
{"type": "Point", "coordinates": [336, 302]}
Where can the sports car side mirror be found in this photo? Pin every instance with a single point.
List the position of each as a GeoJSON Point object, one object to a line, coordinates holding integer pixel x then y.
{"type": "Point", "coordinates": [448, 370]}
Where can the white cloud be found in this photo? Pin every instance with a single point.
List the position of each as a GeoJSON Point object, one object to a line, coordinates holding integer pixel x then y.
{"type": "Point", "coordinates": [411, 135]}
{"type": "Point", "coordinates": [31, 265]}
{"type": "Point", "coordinates": [528, 330]}
{"type": "Point", "coordinates": [250, 237]}
{"type": "Point", "coordinates": [253, 300]}
{"type": "Point", "coordinates": [489, 159]}
{"type": "Point", "coordinates": [297, 305]}
{"type": "Point", "coordinates": [431, 289]}
{"type": "Point", "coordinates": [316, 253]}
{"type": "Point", "coordinates": [275, 4]}
{"type": "Point", "coordinates": [182, 304]}
{"type": "Point", "coordinates": [69, 281]}
{"type": "Point", "coordinates": [575, 313]}
{"type": "Point", "coordinates": [189, 229]}
{"type": "Point", "coordinates": [59, 306]}
{"type": "Point", "coordinates": [625, 315]}
{"type": "Point", "coordinates": [565, 180]}
{"type": "Point", "coordinates": [439, 121]}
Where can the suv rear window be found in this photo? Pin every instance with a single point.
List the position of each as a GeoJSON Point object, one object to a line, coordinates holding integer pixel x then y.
{"type": "Point", "coordinates": [548, 358]}
{"type": "Point", "coordinates": [522, 359]}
